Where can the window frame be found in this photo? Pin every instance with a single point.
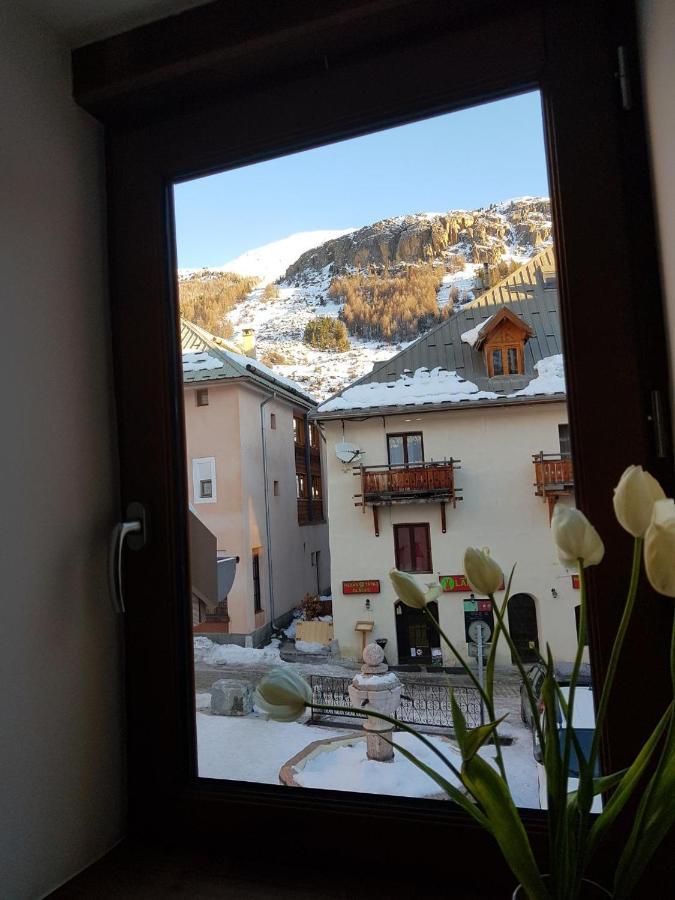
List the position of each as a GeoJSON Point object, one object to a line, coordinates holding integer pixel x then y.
{"type": "Point", "coordinates": [397, 528]}
{"type": "Point", "coordinates": [405, 435]}
{"type": "Point", "coordinates": [173, 122]}
{"type": "Point", "coordinates": [197, 480]}
{"type": "Point", "coordinates": [256, 553]}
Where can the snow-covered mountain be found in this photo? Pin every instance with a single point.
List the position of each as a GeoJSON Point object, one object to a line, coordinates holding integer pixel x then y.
{"type": "Point", "coordinates": [303, 265]}
{"type": "Point", "coordinates": [270, 261]}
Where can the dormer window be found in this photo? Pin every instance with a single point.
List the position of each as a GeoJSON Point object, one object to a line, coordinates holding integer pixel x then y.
{"type": "Point", "coordinates": [502, 339]}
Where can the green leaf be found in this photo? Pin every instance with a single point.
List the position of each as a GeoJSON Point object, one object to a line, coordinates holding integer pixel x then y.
{"type": "Point", "coordinates": [459, 724]}
{"type": "Point", "coordinates": [626, 787]}
{"type": "Point", "coordinates": [453, 793]}
{"type": "Point", "coordinates": [505, 824]}
{"type": "Point", "coordinates": [476, 737]}
{"type": "Point", "coordinates": [654, 820]}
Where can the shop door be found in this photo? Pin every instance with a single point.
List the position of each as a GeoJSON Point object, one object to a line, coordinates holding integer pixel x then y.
{"type": "Point", "coordinates": [523, 626]}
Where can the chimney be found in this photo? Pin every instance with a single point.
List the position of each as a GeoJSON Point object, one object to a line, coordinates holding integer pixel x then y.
{"type": "Point", "coordinates": [248, 342]}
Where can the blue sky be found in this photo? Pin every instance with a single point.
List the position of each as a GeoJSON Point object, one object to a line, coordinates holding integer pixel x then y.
{"type": "Point", "coordinates": [466, 159]}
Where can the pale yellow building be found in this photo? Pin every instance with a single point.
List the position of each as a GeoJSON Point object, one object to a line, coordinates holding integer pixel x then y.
{"type": "Point", "coordinates": [459, 440]}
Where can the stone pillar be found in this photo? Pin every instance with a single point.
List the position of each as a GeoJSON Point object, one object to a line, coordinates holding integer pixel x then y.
{"type": "Point", "coordinates": [378, 689]}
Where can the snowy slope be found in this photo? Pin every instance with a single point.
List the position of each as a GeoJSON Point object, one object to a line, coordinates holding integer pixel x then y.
{"type": "Point", "coordinates": [270, 261]}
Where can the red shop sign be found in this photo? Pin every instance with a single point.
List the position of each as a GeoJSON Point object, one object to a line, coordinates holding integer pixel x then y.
{"type": "Point", "coordinates": [452, 583]}
{"type": "Point", "coordinates": [368, 586]}
{"type": "Point", "coordinates": [575, 582]}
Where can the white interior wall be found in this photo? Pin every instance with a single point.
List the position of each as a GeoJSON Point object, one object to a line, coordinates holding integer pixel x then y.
{"type": "Point", "coordinates": [61, 742]}
{"type": "Point", "coordinates": [657, 39]}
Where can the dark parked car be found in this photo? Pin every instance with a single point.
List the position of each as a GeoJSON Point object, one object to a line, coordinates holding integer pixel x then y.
{"type": "Point", "coordinates": [535, 675]}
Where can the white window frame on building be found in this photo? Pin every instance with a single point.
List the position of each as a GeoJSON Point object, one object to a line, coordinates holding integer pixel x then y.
{"type": "Point", "coordinates": [204, 471]}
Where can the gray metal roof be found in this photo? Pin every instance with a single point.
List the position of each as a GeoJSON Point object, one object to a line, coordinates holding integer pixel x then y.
{"type": "Point", "coordinates": [217, 360]}
{"type": "Point", "coordinates": [530, 292]}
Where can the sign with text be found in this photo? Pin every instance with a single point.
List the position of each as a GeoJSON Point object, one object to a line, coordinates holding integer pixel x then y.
{"type": "Point", "coordinates": [366, 586]}
{"type": "Point", "coordinates": [452, 583]}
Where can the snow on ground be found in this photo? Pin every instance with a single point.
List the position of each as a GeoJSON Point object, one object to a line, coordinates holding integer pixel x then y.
{"type": "Point", "coordinates": [310, 647]}
{"type": "Point", "coordinates": [435, 386]}
{"type": "Point", "coordinates": [252, 748]}
{"type": "Point", "coordinates": [207, 651]}
{"type": "Point", "coordinates": [550, 378]}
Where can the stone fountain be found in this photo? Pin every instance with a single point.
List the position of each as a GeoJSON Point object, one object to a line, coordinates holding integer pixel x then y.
{"type": "Point", "coordinates": [376, 688]}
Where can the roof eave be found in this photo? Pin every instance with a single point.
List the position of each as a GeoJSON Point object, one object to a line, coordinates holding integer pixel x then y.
{"type": "Point", "coordinates": [372, 412]}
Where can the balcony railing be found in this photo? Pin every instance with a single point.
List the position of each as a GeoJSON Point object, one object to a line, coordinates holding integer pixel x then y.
{"type": "Point", "coordinates": [425, 482]}
{"type": "Point", "coordinates": [304, 511]}
{"type": "Point", "coordinates": [553, 474]}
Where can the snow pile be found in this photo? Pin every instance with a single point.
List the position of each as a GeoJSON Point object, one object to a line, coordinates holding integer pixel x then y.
{"type": "Point", "coordinates": [199, 362]}
{"type": "Point", "coordinates": [347, 768]}
{"type": "Point", "coordinates": [310, 647]}
{"type": "Point", "coordinates": [471, 336]}
{"type": "Point", "coordinates": [203, 700]}
{"type": "Point", "coordinates": [435, 386]}
{"type": "Point", "coordinates": [365, 681]}
{"type": "Point", "coordinates": [550, 378]}
{"type": "Point", "coordinates": [270, 261]}
{"type": "Point", "coordinates": [234, 655]}
{"type": "Point", "coordinates": [251, 748]}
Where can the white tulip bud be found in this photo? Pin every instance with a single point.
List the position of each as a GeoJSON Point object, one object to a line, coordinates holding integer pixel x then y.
{"type": "Point", "coordinates": [482, 572]}
{"type": "Point", "coordinates": [407, 589]}
{"type": "Point", "coordinates": [660, 548]}
{"type": "Point", "coordinates": [283, 695]}
{"type": "Point", "coordinates": [634, 498]}
{"type": "Point", "coordinates": [575, 538]}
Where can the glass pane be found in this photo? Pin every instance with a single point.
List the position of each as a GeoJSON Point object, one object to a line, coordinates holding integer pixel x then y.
{"type": "Point", "coordinates": [396, 450]}
{"type": "Point", "coordinates": [414, 447]}
{"type": "Point", "coordinates": [316, 293]}
{"type": "Point", "coordinates": [404, 549]}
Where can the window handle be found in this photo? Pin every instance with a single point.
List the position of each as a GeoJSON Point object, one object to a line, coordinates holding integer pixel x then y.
{"type": "Point", "coordinates": [133, 530]}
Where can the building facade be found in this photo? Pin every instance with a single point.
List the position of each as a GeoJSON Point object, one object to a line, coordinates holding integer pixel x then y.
{"type": "Point", "coordinates": [459, 440]}
{"type": "Point", "coordinates": [254, 480]}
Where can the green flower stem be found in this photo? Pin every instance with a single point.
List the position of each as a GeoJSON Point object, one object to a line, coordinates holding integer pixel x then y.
{"type": "Point", "coordinates": [458, 656]}
{"type": "Point", "coordinates": [616, 650]}
{"type": "Point", "coordinates": [521, 670]}
{"type": "Point", "coordinates": [481, 690]}
{"type": "Point", "coordinates": [403, 727]}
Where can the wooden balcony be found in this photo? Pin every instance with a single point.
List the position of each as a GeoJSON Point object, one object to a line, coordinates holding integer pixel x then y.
{"type": "Point", "coordinates": [554, 477]}
{"type": "Point", "coordinates": [426, 482]}
{"type": "Point", "coordinates": [304, 517]}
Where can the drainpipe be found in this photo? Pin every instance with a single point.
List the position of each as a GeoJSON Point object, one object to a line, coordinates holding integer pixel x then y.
{"type": "Point", "coordinates": [270, 574]}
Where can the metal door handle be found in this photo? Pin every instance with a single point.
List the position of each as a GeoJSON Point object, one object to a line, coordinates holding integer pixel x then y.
{"type": "Point", "coordinates": [134, 528]}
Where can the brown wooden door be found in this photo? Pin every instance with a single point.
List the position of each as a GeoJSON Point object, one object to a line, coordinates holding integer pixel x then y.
{"type": "Point", "coordinates": [209, 91]}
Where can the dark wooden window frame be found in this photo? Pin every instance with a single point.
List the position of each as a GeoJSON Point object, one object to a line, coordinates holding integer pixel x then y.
{"type": "Point", "coordinates": [170, 95]}
{"type": "Point", "coordinates": [404, 434]}
{"type": "Point", "coordinates": [398, 527]}
{"type": "Point", "coordinates": [256, 553]}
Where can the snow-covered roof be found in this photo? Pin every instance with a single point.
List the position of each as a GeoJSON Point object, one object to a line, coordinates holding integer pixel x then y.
{"type": "Point", "coordinates": [207, 358]}
{"type": "Point", "coordinates": [422, 387]}
{"type": "Point", "coordinates": [450, 370]}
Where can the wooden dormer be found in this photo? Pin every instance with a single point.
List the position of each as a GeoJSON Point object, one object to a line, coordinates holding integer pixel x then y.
{"type": "Point", "coordinates": [502, 340]}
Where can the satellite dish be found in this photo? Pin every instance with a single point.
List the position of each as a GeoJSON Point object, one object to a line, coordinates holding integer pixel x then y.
{"type": "Point", "coordinates": [347, 453]}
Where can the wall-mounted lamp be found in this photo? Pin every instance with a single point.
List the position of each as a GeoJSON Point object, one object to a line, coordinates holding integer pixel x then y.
{"type": "Point", "coordinates": [554, 593]}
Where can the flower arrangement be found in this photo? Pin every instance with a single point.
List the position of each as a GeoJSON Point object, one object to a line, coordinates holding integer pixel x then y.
{"type": "Point", "coordinates": [574, 832]}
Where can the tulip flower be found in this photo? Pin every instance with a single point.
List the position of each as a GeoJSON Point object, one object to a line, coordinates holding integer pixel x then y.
{"type": "Point", "coordinates": [433, 591]}
{"type": "Point", "coordinates": [408, 589]}
{"type": "Point", "coordinates": [634, 498]}
{"type": "Point", "coordinates": [283, 695]}
{"type": "Point", "coordinates": [482, 572]}
{"type": "Point", "coordinates": [575, 538]}
{"type": "Point", "coordinates": [660, 548]}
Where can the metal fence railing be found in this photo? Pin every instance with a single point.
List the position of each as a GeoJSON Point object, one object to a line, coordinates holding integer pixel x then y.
{"type": "Point", "coordinates": [423, 703]}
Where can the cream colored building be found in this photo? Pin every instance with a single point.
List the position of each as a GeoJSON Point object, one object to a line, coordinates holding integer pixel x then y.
{"type": "Point", "coordinates": [433, 452]}
{"type": "Point", "coordinates": [254, 481]}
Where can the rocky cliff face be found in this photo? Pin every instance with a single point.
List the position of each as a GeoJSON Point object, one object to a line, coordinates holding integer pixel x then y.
{"type": "Point", "coordinates": [518, 226]}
